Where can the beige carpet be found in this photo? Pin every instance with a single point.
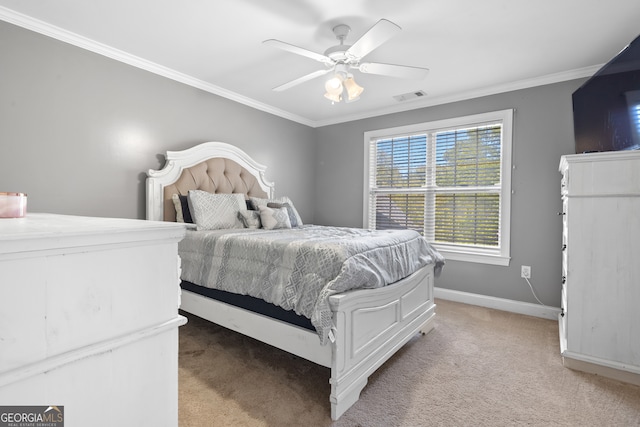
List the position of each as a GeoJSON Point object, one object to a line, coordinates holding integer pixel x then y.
{"type": "Point", "coordinates": [477, 367]}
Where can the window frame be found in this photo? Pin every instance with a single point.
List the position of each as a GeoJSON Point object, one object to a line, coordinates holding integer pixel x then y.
{"type": "Point", "coordinates": [498, 256]}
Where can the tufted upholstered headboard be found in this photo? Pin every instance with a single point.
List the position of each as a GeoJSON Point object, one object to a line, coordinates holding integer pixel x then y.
{"type": "Point", "coordinates": [215, 167]}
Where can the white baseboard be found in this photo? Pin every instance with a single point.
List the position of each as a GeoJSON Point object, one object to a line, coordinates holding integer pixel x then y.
{"type": "Point", "coordinates": [536, 310]}
{"type": "Point", "coordinates": [606, 368]}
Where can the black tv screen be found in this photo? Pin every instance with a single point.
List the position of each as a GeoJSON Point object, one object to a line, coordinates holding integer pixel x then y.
{"type": "Point", "coordinates": [606, 108]}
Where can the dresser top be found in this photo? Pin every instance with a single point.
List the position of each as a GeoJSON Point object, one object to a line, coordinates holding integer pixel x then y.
{"type": "Point", "coordinates": [41, 231]}
{"type": "Point", "coordinates": [632, 155]}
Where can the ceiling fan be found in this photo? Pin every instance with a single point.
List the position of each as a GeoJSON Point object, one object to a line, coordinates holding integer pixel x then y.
{"type": "Point", "coordinates": [342, 59]}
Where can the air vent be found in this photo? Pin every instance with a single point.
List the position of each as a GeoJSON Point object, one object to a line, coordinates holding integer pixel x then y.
{"type": "Point", "coordinates": [410, 96]}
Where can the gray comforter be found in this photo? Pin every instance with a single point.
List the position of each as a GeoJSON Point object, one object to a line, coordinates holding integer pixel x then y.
{"type": "Point", "coordinates": [299, 269]}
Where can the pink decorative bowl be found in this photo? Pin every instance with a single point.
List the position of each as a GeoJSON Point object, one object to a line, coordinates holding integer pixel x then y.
{"type": "Point", "coordinates": [13, 205]}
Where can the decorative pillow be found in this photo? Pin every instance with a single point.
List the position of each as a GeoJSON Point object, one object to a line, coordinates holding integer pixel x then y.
{"type": "Point", "coordinates": [178, 206]}
{"type": "Point", "coordinates": [274, 218]}
{"type": "Point", "coordinates": [183, 214]}
{"type": "Point", "coordinates": [250, 219]}
{"type": "Point", "coordinates": [216, 211]}
{"type": "Point", "coordinates": [257, 202]}
{"type": "Point", "coordinates": [290, 211]}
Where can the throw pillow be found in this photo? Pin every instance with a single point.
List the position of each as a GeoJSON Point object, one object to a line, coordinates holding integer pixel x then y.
{"type": "Point", "coordinates": [273, 219]}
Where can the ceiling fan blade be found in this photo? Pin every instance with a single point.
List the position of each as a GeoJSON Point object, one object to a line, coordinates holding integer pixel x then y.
{"type": "Point", "coordinates": [402, 71]}
{"type": "Point", "coordinates": [382, 31]}
{"type": "Point", "coordinates": [298, 50]}
{"type": "Point", "coordinates": [302, 79]}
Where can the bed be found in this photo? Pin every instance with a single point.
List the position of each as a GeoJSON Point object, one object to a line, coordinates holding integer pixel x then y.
{"type": "Point", "coordinates": [352, 332]}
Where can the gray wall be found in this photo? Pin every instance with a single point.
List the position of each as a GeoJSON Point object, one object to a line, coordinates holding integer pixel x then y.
{"type": "Point", "coordinates": [78, 130]}
{"type": "Point", "coordinates": [543, 131]}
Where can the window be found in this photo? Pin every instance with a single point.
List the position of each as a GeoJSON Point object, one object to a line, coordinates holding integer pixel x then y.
{"type": "Point", "coordinates": [450, 180]}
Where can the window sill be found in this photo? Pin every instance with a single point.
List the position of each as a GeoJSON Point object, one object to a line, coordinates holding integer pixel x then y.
{"type": "Point", "coordinates": [475, 257]}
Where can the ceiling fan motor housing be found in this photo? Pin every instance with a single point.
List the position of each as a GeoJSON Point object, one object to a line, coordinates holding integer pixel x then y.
{"type": "Point", "coordinates": [337, 53]}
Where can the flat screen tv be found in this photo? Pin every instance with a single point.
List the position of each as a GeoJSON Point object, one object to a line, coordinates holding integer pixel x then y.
{"type": "Point", "coordinates": [606, 108]}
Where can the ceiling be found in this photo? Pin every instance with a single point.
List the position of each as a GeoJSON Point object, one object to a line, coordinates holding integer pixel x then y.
{"type": "Point", "coordinates": [471, 47]}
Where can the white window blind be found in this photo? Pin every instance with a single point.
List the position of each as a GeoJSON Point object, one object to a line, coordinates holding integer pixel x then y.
{"type": "Point", "coordinates": [447, 180]}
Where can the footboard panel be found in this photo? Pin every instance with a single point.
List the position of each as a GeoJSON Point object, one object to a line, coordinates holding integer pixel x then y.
{"type": "Point", "coordinates": [371, 325]}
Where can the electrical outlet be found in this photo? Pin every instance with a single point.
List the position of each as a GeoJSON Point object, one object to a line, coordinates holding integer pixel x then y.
{"type": "Point", "coordinates": [525, 272]}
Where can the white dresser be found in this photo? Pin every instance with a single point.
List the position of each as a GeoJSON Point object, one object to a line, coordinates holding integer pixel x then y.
{"type": "Point", "coordinates": [89, 318]}
{"type": "Point", "coordinates": [600, 322]}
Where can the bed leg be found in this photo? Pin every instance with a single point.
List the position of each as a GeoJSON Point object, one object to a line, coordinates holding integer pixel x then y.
{"type": "Point", "coordinates": [426, 327]}
{"type": "Point", "coordinates": [342, 398]}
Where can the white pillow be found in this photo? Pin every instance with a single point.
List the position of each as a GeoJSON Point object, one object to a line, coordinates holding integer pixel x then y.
{"type": "Point", "coordinates": [216, 211]}
{"type": "Point", "coordinates": [257, 202]}
{"type": "Point", "coordinates": [274, 218]}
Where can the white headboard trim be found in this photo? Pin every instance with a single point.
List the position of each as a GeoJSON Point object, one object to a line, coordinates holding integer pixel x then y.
{"type": "Point", "coordinates": [177, 161]}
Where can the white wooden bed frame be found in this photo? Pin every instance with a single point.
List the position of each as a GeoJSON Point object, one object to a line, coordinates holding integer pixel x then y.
{"type": "Point", "coordinates": [369, 325]}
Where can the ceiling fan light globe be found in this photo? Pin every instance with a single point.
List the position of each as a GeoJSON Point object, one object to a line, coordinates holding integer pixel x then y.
{"type": "Point", "coordinates": [334, 85]}
{"type": "Point", "coordinates": [353, 89]}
